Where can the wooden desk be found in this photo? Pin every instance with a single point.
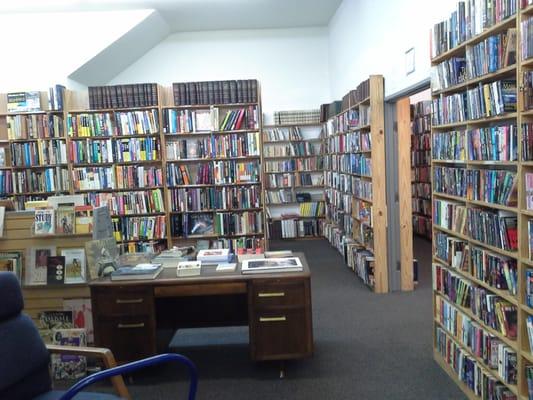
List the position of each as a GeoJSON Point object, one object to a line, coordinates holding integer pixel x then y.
{"type": "Point", "coordinates": [276, 307]}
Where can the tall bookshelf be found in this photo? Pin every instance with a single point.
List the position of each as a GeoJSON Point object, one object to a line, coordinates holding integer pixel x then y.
{"type": "Point", "coordinates": [355, 183]}
{"type": "Point", "coordinates": [293, 179]}
{"type": "Point", "coordinates": [480, 230]}
{"type": "Point", "coordinates": [33, 144]}
{"type": "Point", "coordinates": [421, 168]}
{"type": "Point", "coordinates": [213, 157]}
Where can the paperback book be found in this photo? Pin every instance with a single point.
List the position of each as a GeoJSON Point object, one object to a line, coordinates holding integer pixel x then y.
{"type": "Point", "coordinates": [55, 270]}
{"type": "Point", "coordinates": [75, 269]}
{"type": "Point", "coordinates": [50, 320]}
{"type": "Point", "coordinates": [44, 222]}
{"type": "Point", "coordinates": [82, 315]}
{"type": "Point", "coordinates": [69, 366]}
{"type": "Point", "coordinates": [36, 266]}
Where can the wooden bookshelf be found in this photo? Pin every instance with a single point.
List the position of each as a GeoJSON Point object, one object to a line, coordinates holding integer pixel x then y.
{"type": "Point", "coordinates": [293, 143]}
{"type": "Point", "coordinates": [252, 239]}
{"type": "Point", "coordinates": [356, 222]}
{"type": "Point", "coordinates": [467, 271]}
{"type": "Point", "coordinates": [420, 168]}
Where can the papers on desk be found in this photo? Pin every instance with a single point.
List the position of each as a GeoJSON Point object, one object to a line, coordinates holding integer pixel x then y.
{"type": "Point", "coordinates": [189, 268]}
{"type": "Point", "coordinates": [139, 271]}
{"type": "Point", "coordinates": [271, 265]}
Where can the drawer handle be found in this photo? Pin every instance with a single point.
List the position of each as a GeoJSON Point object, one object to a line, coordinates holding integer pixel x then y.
{"type": "Point", "coordinates": [271, 294]}
{"type": "Point", "coordinates": [272, 319]}
{"type": "Point", "coordinates": [131, 326]}
{"type": "Point", "coordinates": [129, 301]}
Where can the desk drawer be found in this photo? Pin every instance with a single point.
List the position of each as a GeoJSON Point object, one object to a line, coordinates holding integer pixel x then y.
{"type": "Point", "coordinates": [129, 338]}
{"type": "Point", "coordinates": [124, 301]}
{"type": "Point", "coordinates": [270, 293]}
{"type": "Point", "coordinates": [281, 335]}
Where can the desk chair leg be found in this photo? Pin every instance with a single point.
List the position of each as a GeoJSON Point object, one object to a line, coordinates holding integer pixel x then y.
{"type": "Point", "coordinates": [281, 369]}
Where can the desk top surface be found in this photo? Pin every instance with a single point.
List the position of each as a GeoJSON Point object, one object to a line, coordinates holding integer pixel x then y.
{"type": "Point", "coordinates": [208, 274]}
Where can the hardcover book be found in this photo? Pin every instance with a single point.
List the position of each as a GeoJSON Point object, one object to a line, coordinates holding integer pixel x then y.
{"type": "Point", "coordinates": [69, 366]}
{"type": "Point", "coordinates": [12, 262]}
{"type": "Point", "coordinates": [23, 101]}
{"type": "Point", "coordinates": [35, 270]}
{"type": "Point", "coordinates": [98, 252]}
{"type": "Point", "coordinates": [55, 270]}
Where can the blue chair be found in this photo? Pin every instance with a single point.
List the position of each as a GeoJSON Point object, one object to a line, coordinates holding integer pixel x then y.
{"type": "Point", "coordinates": [24, 358]}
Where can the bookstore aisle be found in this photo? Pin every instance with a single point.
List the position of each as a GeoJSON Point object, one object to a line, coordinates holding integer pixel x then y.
{"type": "Point", "coordinates": [382, 350]}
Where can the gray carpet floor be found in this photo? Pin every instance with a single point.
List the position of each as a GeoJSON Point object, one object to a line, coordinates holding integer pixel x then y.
{"type": "Point", "coordinates": [367, 346]}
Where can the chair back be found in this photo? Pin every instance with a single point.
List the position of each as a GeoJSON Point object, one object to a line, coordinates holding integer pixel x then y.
{"type": "Point", "coordinates": [24, 358]}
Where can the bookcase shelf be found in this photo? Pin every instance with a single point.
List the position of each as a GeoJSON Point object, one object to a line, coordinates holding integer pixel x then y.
{"type": "Point", "coordinates": [356, 213]}
{"type": "Point", "coordinates": [511, 224]}
{"type": "Point", "coordinates": [306, 140]}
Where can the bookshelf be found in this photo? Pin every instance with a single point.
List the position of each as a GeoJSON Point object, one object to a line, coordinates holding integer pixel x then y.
{"type": "Point", "coordinates": [212, 156]}
{"type": "Point", "coordinates": [356, 211]}
{"type": "Point", "coordinates": [480, 218]}
{"type": "Point", "coordinates": [421, 168]}
{"type": "Point", "coordinates": [294, 199]}
{"type": "Point", "coordinates": [33, 147]}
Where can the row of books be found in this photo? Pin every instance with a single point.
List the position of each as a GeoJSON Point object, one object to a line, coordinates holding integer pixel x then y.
{"type": "Point", "coordinates": [422, 225]}
{"type": "Point", "coordinates": [468, 370]}
{"type": "Point", "coordinates": [352, 119]}
{"type": "Point", "coordinates": [495, 143]}
{"type": "Point", "coordinates": [420, 158]}
{"type": "Point", "coordinates": [216, 172]}
{"type": "Point", "coordinates": [138, 176]}
{"type": "Point", "coordinates": [215, 92]}
{"type": "Point", "coordinates": [350, 142]}
{"type": "Point", "coordinates": [139, 228]}
{"type": "Point", "coordinates": [193, 121]}
{"type": "Point", "coordinates": [47, 152]}
{"type": "Point", "coordinates": [361, 261]}
{"type": "Point", "coordinates": [492, 310]}
{"type": "Point", "coordinates": [357, 95]}
{"type": "Point", "coordinates": [421, 190]}
{"type": "Point", "coordinates": [222, 224]}
{"type": "Point", "coordinates": [486, 57]}
{"type": "Point", "coordinates": [312, 209]}
{"type": "Point", "coordinates": [526, 32]}
{"type": "Point", "coordinates": [32, 181]}
{"type": "Point", "coordinates": [291, 179]}
{"type": "Point", "coordinates": [213, 198]}
{"type": "Point", "coordinates": [284, 196]}
{"type": "Point", "coordinates": [421, 174]}
{"type": "Point", "coordinates": [294, 228]}
{"type": "Point", "coordinates": [487, 100]}
{"type": "Point", "coordinates": [352, 185]}
{"type": "Point", "coordinates": [420, 141]}
{"type": "Point", "coordinates": [296, 117]}
{"type": "Point", "coordinates": [421, 205]}
{"type": "Point", "coordinates": [470, 18]}
{"type": "Point", "coordinates": [498, 271]}
{"type": "Point", "coordinates": [123, 96]}
{"type": "Point", "coordinates": [110, 151]}
{"type": "Point", "coordinates": [124, 123]}
{"type": "Point", "coordinates": [296, 164]}
{"type": "Point", "coordinates": [490, 186]}
{"type": "Point", "coordinates": [495, 228]}
{"type": "Point", "coordinates": [34, 126]}
{"type": "Point", "coordinates": [527, 141]}
{"type": "Point", "coordinates": [126, 203]}
{"type": "Point", "coordinates": [359, 164]}
{"type": "Point", "coordinates": [234, 145]}
{"type": "Point", "coordinates": [282, 134]}
{"type": "Point", "coordinates": [290, 150]}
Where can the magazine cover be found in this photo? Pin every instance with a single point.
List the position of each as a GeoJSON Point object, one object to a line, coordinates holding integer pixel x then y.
{"type": "Point", "coordinates": [75, 269]}
{"type": "Point", "coordinates": [44, 222]}
{"type": "Point", "coordinates": [82, 315]}
{"type": "Point", "coordinates": [69, 366]}
{"type": "Point", "coordinates": [49, 320]}
{"type": "Point", "coordinates": [65, 220]}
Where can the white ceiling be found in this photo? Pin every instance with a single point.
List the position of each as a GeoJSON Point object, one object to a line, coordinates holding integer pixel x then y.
{"type": "Point", "coordinates": [198, 15]}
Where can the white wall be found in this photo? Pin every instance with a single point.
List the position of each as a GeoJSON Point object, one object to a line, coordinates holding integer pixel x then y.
{"type": "Point", "coordinates": [291, 64]}
{"type": "Point", "coordinates": [42, 49]}
{"type": "Point", "coordinates": [371, 37]}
